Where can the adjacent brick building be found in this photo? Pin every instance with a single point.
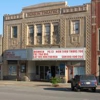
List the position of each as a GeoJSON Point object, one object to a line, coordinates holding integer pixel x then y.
{"type": "Point", "coordinates": [95, 34]}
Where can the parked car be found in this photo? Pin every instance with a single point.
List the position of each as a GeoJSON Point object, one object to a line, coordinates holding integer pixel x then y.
{"type": "Point", "coordinates": [84, 82]}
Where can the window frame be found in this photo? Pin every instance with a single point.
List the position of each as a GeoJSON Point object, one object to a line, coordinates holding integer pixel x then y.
{"type": "Point", "coordinates": [30, 34]}
{"type": "Point", "coordinates": [13, 33]}
{"type": "Point", "coordinates": [39, 26]}
{"type": "Point", "coordinates": [47, 25]}
{"type": "Point", "coordinates": [57, 31]}
{"type": "Point", "coordinates": [75, 24]}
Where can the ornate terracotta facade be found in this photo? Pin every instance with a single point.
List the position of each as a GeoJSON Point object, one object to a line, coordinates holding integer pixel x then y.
{"type": "Point", "coordinates": [50, 13]}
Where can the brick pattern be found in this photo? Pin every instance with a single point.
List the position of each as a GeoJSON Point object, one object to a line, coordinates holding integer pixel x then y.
{"type": "Point", "coordinates": [5, 37]}
{"type": "Point", "coordinates": [88, 45]}
{"type": "Point", "coordinates": [62, 32]}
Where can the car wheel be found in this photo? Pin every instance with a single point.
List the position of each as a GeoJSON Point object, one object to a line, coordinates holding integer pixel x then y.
{"type": "Point", "coordinates": [94, 89]}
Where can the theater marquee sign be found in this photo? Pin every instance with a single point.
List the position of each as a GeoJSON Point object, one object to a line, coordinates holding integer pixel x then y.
{"type": "Point", "coordinates": [59, 54]}
{"type": "Point", "coordinates": [43, 13]}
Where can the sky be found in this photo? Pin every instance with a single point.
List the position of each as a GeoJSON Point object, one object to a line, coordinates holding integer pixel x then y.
{"type": "Point", "coordinates": [15, 6]}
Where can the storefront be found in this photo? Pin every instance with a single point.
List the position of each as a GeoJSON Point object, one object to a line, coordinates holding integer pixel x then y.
{"type": "Point", "coordinates": [16, 63]}
{"type": "Point", "coordinates": [34, 63]}
{"type": "Point", "coordinates": [63, 63]}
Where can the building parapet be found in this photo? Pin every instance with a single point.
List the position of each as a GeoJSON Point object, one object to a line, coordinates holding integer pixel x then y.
{"type": "Point", "coordinates": [13, 16]}
{"type": "Point", "coordinates": [82, 8]}
{"type": "Point", "coordinates": [55, 11]}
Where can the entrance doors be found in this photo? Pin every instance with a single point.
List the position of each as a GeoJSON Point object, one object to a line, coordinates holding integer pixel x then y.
{"type": "Point", "coordinates": [53, 71]}
{"type": "Point", "coordinates": [43, 72]}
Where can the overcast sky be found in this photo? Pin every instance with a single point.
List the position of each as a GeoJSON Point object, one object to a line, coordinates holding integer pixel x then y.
{"type": "Point", "coordinates": [15, 6]}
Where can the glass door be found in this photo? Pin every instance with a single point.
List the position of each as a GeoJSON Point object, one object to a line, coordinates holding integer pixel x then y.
{"type": "Point", "coordinates": [46, 69]}
{"type": "Point", "coordinates": [42, 72]}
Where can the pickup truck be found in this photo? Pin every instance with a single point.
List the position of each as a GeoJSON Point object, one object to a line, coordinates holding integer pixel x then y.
{"type": "Point", "coordinates": [84, 82]}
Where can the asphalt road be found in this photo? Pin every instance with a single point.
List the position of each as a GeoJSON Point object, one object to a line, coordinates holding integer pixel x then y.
{"type": "Point", "coordinates": [44, 93]}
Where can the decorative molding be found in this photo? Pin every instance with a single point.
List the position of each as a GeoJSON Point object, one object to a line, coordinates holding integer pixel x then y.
{"type": "Point", "coordinates": [43, 13]}
{"type": "Point", "coordinates": [13, 17]}
{"type": "Point", "coordinates": [88, 45]}
{"type": "Point", "coordinates": [74, 9]}
{"type": "Point", "coordinates": [62, 32]}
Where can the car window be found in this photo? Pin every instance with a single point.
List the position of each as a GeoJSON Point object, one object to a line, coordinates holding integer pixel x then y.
{"type": "Point", "coordinates": [87, 77]}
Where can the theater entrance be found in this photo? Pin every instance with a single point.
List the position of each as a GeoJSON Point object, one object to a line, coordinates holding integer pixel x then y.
{"type": "Point", "coordinates": [43, 72]}
{"type": "Point", "coordinates": [53, 71]}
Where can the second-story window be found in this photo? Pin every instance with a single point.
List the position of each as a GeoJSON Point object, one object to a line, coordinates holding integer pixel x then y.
{"type": "Point", "coordinates": [55, 28]}
{"type": "Point", "coordinates": [14, 31]}
{"type": "Point", "coordinates": [31, 30]}
{"type": "Point", "coordinates": [47, 29]}
{"type": "Point", "coordinates": [39, 30]}
{"type": "Point", "coordinates": [75, 27]}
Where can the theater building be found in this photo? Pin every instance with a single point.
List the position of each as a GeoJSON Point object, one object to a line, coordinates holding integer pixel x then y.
{"type": "Point", "coordinates": [46, 36]}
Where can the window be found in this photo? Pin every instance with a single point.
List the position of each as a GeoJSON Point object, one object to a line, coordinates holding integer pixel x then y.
{"type": "Point", "coordinates": [39, 30]}
{"type": "Point", "coordinates": [75, 27]}
{"type": "Point", "coordinates": [31, 30]}
{"type": "Point", "coordinates": [14, 31]}
{"type": "Point", "coordinates": [62, 69]}
{"type": "Point", "coordinates": [23, 68]}
{"type": "Point", "coordinates": [55, 27]}
{"type": "Point", "coordinates": [12, 70]}
{"type": "Point", "coordinates": [47, 29]}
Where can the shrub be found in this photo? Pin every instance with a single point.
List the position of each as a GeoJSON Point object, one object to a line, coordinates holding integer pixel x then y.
{"type": "Point", "coordinates": [55, 80]}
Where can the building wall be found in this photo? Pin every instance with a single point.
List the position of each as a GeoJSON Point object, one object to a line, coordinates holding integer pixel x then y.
{"type": "Point", "coordinates": [50, 13]}
{"type": "Point", "coordinates": [1, 38]}
{"type": "Point", "coordinates": [95, 36]}
{"type": "Point", "coordinates": [31, 70]}
{"type": "Point", "coordinates": [1, 48]}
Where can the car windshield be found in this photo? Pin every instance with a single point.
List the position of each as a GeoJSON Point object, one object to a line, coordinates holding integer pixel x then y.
{"type": "Point", "coordinates": [87, 77]}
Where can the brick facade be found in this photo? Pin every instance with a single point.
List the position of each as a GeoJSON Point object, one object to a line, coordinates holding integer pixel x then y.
{"type": "Point", "coordinates": [95, 35]}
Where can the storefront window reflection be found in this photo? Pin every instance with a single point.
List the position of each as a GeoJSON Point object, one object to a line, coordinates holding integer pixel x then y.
{"type": "Point", "coordinates": [62, 69]}
{"type": "Point", "coordinates": [12, 70]}
{"type": "Point", "coordinates": [57, 69]}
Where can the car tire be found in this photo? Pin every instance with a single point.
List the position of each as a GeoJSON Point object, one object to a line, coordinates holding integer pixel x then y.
{"type": "Point", "coordinates": [94, 89]}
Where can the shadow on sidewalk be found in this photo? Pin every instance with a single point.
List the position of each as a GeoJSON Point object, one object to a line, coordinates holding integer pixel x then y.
{"type": "Point", "coordinates": [58, 89]}
{"type": "Point", "coordinates": [43, 85]}
{"type": "Point", "coordinates": [69, 90]}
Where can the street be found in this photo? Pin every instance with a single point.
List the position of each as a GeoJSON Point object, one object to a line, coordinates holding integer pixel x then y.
{"type": "Point", "coordinates": [8, 92]}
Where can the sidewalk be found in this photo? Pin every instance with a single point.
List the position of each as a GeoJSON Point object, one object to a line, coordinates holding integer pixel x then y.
{"type": "Point", "coordinates": [34, 84]}
{"type": "Point", "coordinates": [31, 83]}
